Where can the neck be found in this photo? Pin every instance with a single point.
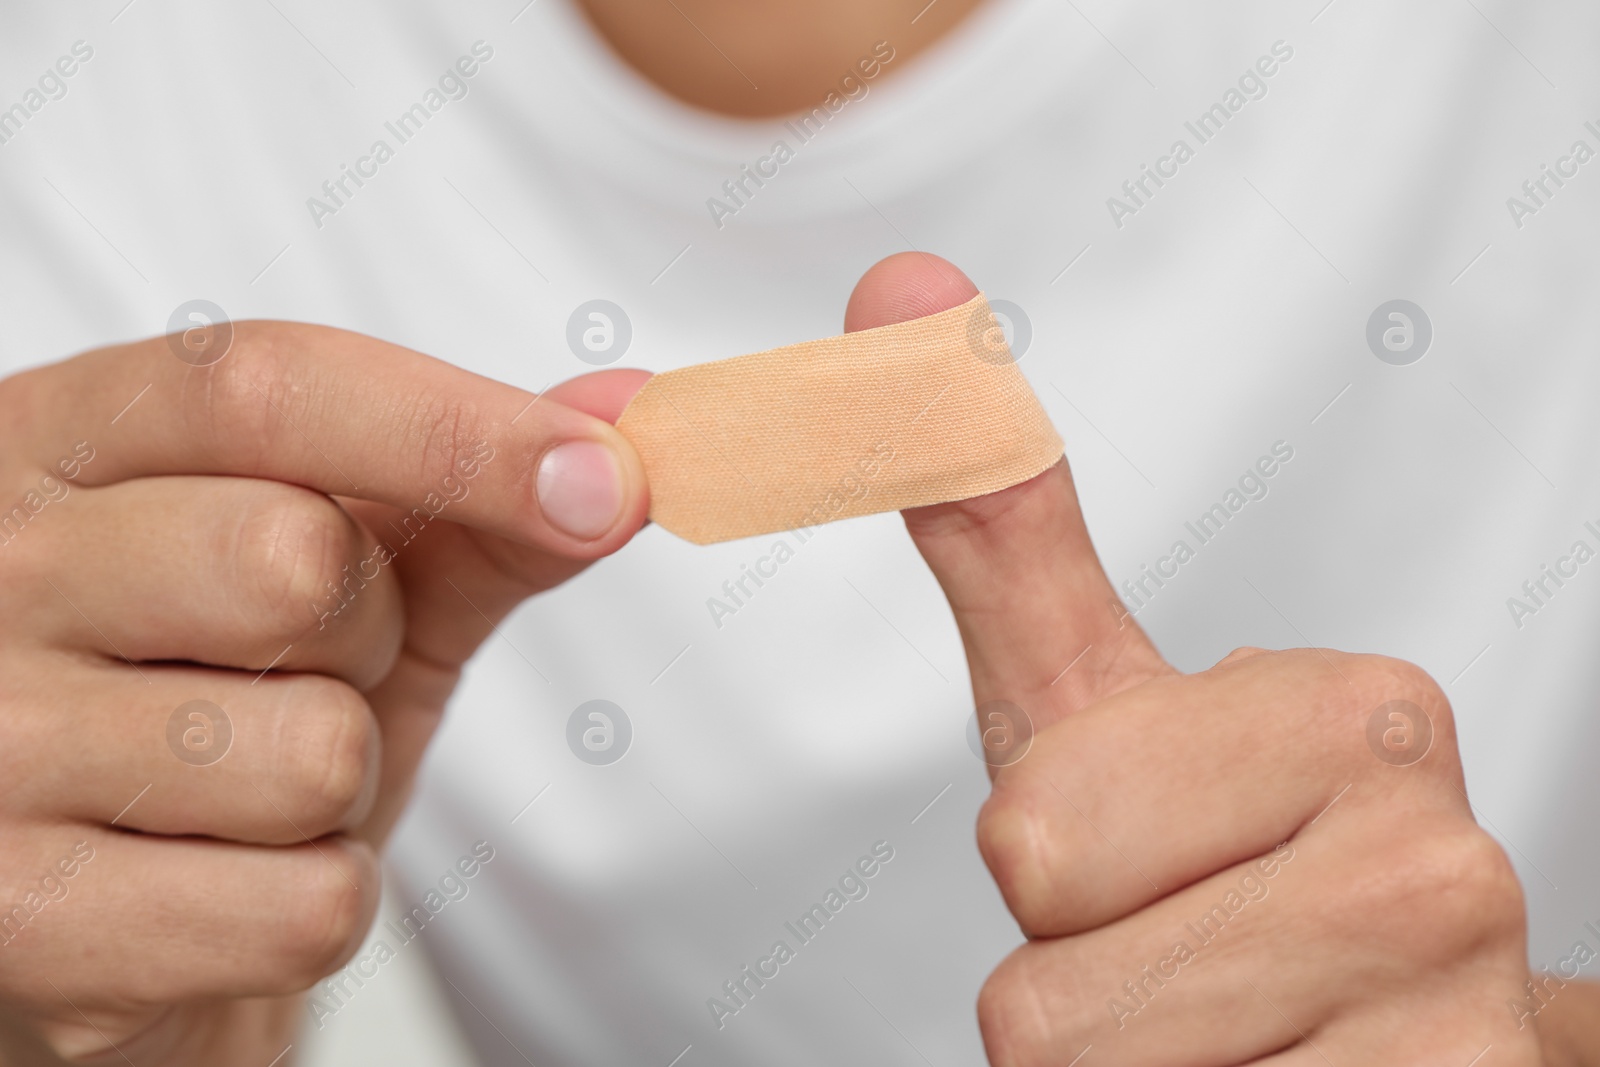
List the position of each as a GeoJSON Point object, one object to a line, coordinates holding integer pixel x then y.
{"type": "Point", "coordinates": [761, 58]}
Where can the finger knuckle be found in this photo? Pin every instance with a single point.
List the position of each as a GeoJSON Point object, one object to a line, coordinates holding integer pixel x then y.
{"type": "Point", "coordinates": [333, 756]}
{"type": "Point", "coordinates": [1243, 654]}
{"type": "Point", "coordinates": [1018, 1030]}
{"type": "Point", "coordinates": [1365, 684]}
{"type": "Point", "coordinates": [1397, 679]}
{"type": "Point", "coordinates": [1025, 851]}
{"type": "Point", "coordinates": [1444, 891]}
{"type": "Point", "coordinates": [250, 401]}
{"type": "Point", "coordinates": [293, 545]}
{"type": "Point", "coordinates": [334, 897]}
{"type": "Point", "coordinates": [1475, 885]}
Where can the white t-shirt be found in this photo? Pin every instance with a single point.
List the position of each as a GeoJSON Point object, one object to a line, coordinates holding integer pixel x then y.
{"type": "Point", "coordinates": [1178, 327]}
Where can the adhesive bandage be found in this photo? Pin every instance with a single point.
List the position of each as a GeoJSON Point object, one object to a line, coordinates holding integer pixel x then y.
{"type": "Point", "coordinates": [919, 412]}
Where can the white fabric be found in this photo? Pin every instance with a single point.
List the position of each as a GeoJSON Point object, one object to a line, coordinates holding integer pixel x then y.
{"type": "Point", "coordinates": [829, 711]}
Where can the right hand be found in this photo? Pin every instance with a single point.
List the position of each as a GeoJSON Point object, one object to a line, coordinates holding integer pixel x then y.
{"type": "Point", "coordinates": [158, 904]}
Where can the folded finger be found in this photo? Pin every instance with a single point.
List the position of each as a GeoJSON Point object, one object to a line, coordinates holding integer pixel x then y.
{"type": "Point", "coordinates": [143, 921]}
{"type": "Point", "coordinates": [1296, 948]}
{"type": "Point", "coordinates": [1164, 784]}
{"type": "Point", "coordinates": [229, 572]}
{"type": "Point", "coordinates": [180, 750]}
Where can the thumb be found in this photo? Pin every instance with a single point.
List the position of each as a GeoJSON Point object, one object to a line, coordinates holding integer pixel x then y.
{"type": "Point", "coordinates": [1041, 624]}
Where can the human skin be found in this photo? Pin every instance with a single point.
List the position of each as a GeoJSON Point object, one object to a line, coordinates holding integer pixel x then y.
{"type": "Point", "coordinates": [189, 552]}
{"type": "Point", "coordinates": [1380, 924]}
{"type": "Point", "coordinates": [188, 540]}
{"type": "Point", "coordinates": [184, 555]}
{"type": "Point", "coordinates": [762, 58]}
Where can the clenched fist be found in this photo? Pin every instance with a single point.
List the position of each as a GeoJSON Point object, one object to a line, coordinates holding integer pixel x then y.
{"type": "Point", "coordinates": [1218, 868]}
{"type": "Point", "coordinates": [233, 601]}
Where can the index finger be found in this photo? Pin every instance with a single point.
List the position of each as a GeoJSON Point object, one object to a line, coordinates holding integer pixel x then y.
{"type": "Point", "coordinates": [1168, 783]}
{"type": "Point", "coordinates": [344, 414]}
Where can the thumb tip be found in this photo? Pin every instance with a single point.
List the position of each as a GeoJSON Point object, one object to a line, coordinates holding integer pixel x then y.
{"type": "Point", "coordinates": [905, 286]}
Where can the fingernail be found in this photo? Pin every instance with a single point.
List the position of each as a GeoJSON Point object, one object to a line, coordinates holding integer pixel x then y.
{"type": "Point", "coordinates": [579, 486]}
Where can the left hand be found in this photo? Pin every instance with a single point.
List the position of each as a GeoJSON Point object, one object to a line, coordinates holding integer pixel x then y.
{"type": "Point", "coordinates": [1219, 868]}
